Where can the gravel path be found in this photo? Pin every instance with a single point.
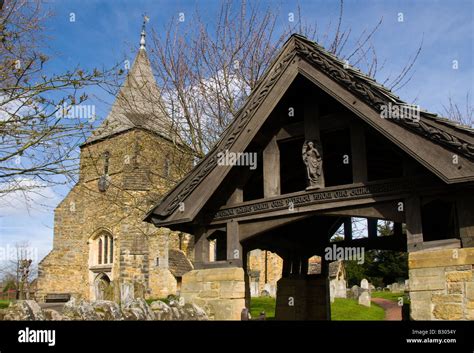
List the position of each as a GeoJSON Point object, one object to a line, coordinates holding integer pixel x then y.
{"type": "Point", "coordinates": [393, 312]}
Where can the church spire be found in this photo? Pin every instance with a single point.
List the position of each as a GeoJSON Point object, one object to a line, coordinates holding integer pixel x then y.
{"type": "Point", "coordinates": [138, 102]}
{"type": "Point", "coordinates": [143, 34]}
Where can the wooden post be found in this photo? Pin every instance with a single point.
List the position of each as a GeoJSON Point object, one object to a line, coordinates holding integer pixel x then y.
{"type": "Point", "coordinates": [358, 152]}
{"type": "Point", "coordinates": [246, 276]}
{"type": "Point", "coordinates": [271, 169]}
{"type": "Point", "coordinates": [201, 248]}
{"type": "Point", "coordinates": [234, 248]}
{"type": "Point", "coordinates": [413, 222]}
{"type": "Point", "coordinates": [397, 229]}
{"type": "Point", "coordinates": [311, 128]}
{"type": "Point", "coordinates": [286, 270]}
{"type": "Point", "coordinates": [311, 121]}
{"type": "Point", "coordinates": [304, 265]}
{"type": "Point", "coordinates": [324, 267]}
{"type": "Point", "coordinates": [236, 197]}
{"type": "Point", "coordinates": [348, 229]}
{"type": "Point", "coordinates": [372, 228]}
{"type": "Point", "coordinates": [465, 208]}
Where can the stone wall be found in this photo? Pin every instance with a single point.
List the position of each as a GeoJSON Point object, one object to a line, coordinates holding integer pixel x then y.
{"type": "Point", "coordinates": [442, 284]}
{"type": "Point", "coordinates": [256, 268]}
{"type": "Point", "coordinates": [219, 291]}
{"type": "Point", "coordinates": [137, 179]}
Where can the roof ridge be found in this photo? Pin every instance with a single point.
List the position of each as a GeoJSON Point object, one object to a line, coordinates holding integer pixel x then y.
{"type": "Point", "coordinates": [386, 91]}
{"type": "Point", "coordinates": [360, 84]}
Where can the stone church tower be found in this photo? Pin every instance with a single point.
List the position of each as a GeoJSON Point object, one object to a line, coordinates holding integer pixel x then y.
{"type": "Point", "coordinates": [102, 249]}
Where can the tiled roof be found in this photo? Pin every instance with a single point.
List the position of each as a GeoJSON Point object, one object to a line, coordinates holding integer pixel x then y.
{"type": "Point", "coordinates": [178, 263]}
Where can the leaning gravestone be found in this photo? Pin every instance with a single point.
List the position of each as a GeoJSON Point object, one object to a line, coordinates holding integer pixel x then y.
{"type": "Point", "coordinates": [364, 284]}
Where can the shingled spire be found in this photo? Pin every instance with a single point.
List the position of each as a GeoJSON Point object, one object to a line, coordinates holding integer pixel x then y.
{"type": "Point", "coordinates": [138, 104]}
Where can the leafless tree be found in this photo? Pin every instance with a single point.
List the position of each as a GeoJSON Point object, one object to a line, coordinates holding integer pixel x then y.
{"type": "Point", "coordinates": [461, 113]}
{"type": "Point", "coordinates": [19, 267]}
{"type": "Point", "coordinates": [206, 70]}
{"type": "Point", "coordinates": [42, 118]}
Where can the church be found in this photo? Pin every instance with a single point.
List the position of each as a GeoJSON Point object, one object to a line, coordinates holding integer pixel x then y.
{"type": "Point", "coordinates": [102, 249]}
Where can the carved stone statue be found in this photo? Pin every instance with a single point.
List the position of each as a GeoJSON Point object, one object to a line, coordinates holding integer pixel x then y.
{"type": "Point", "coordinates": [313, 161]}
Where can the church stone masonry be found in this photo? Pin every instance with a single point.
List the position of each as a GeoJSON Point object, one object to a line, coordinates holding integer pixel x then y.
{"type": "Point", "coordinates": [102, 248]}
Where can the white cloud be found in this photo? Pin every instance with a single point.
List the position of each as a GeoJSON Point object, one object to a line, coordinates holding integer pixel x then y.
{"type": "Point", "coordinates": [28, 197]}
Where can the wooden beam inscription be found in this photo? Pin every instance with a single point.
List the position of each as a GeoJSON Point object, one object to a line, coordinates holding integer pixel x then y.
{"type": "Point", "coordinates": [306, 198]}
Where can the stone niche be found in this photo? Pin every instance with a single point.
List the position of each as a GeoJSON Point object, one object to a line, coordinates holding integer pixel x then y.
{"type": "Point", "coordinates": [219, 291]}
{"type": "Point", "coordinates": [442, 284]}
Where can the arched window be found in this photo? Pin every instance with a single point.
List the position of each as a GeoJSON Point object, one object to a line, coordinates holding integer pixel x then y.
{"type": "Point", "coordinates": [100, 251]}
{"type": "Point", "coordinates": [111, 250]}
{"type": "Point", "coordinates": [104, 245]}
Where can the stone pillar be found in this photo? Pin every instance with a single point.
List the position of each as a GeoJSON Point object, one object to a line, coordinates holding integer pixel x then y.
{"type": "Point", "coordinates": [303, 298]}
{"type": "Point", "coordinates": [441, 284]}
{"type": "Point", "coordinates": [219, 291]}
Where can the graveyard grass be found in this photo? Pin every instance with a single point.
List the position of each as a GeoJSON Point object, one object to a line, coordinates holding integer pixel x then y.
{"type": "Point", "coordinates": [350, 310]}
{"type": "Point", "coordinates": [259, 304]}
{"type": "Point", "coordinates": [341, 309]}
{"type": "Point", "coordinates": [4, 304]}
{"type": "Point", "coordinates": [390, 296]}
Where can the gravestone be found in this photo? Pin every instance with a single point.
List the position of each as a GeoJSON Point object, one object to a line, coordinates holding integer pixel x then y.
{"type": "Point", "coordinates": [340, 290]}
{"type": "Point", "coordinates": [245, 314]}
{"type": "Point", "coordinates": [364, 299]}
{"type": "Point", "coordinates": [126, 292]}
{"type": "Point", "coordinates": [332, 291]}
{"type": "Point", "coordinates": [355, 291]}
{"type": "Point", "coordinates": [364, 295]}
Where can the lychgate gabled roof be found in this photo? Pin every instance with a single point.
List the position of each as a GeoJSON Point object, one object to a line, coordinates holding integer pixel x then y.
{"type": "Point", "coordinates": [137, 104]}
{"type": "Point", "coordinates": [431, 140]}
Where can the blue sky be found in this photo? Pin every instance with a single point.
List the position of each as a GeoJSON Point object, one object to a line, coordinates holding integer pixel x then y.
{"type": "Point", "coordinates": [107, 32]}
